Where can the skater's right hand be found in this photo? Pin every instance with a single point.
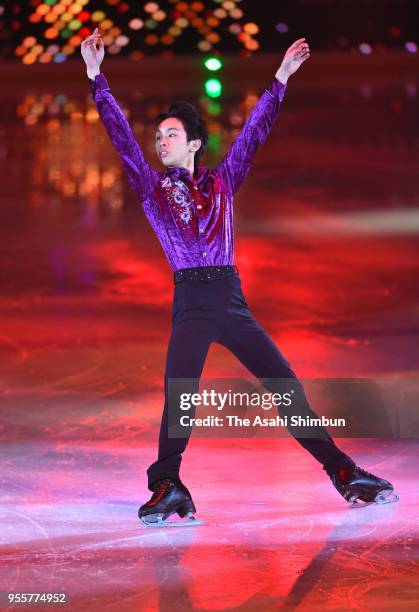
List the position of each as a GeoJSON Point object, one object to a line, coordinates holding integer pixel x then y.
{"type": "Point", "coordinates": [92, 56]}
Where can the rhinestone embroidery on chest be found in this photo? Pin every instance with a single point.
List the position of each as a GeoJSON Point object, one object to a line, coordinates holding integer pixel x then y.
{"type": "Point", "coordinates": [182, 197]}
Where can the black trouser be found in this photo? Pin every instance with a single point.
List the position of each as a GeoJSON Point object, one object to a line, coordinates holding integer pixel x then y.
{"type": "Point", "coordinates": [216, 311]}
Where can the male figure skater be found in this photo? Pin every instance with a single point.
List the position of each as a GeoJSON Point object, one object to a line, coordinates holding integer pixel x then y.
{"type": "Point", "coordinates": [190, 209]}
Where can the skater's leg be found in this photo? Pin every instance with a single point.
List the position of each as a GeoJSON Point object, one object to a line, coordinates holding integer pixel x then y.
{"type": "Point", "coordinates": [192, 333]}
{"type": "Point", "coordinates": [248, 341]}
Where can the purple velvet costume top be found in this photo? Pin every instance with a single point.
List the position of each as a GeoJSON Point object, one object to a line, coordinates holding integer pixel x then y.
{"type": "Point", "coordinates": [194, 223]}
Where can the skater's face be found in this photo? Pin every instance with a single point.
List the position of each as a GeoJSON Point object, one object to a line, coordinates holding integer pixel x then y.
{"type": "Point", "coordinates": [172, 145]}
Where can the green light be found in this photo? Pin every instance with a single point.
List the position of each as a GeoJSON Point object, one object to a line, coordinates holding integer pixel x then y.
{"type": "Point", "coordinates": [214, 142]}
{"type": "Point", "coordinates": [213, 88]}
{"type": "Point", "coordinates": [214, 108]}
{"type": "Point", "coordinates": [213, 64]}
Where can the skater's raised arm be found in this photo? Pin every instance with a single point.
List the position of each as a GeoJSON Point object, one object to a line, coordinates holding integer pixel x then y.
{"type": "Point", "coordinates": [141, 176]}
{"type": "Point", "coordinates": [236, 164]}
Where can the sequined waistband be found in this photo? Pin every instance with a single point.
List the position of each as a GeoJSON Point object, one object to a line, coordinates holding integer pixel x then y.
{"type": "Point", "coordinates": [204, 273]}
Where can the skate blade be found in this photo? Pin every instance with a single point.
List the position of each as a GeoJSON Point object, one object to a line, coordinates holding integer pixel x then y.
{"type": "Point", "coordinates": [157, 520]}
{"type": "Point", "coordinates": [387, 496]}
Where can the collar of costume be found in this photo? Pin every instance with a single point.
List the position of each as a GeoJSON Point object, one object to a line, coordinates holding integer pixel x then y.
{"type": "Point", "coordinates": [183, 173]}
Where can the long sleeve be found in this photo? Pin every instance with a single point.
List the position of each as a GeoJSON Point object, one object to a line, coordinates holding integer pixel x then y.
{"type": "Point", "coordinates": [141, 177]}
{"type": "Point", "coordinates": [237, 162]}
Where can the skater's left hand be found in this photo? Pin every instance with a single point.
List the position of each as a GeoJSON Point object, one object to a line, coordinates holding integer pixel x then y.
{"type": "Point", "coordinates": [296, 55]}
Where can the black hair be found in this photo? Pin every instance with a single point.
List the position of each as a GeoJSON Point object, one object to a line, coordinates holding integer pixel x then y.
{"type": "Point", "coordinates": [193, 124]}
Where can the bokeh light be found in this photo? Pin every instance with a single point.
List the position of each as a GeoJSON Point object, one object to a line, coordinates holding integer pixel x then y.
{"type": "Point", "coordinates": [282, 27]}
{"type": "Point", "coordinates": [213, 64]}
{"type": "Point", "coordinates": [136, 24]}
{"type": "Point", "coordinates": [411, 47]}
{"type": "Point", "coordinates": [251, 28]}
{"type": "Point", "coordinates": [192, 26]}
{"type": "Point", "coordinates": [213, 88]}
{"type": "Point", "coordinates": [151, 7]}
{"type": "Point", "coordinates": [365, 48]}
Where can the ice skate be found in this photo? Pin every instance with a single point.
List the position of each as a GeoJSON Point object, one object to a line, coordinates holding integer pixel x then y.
{"type": "Point", "coordinates": [169, 497]}
{"type": "Point", "coordinates": [360, 488]}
